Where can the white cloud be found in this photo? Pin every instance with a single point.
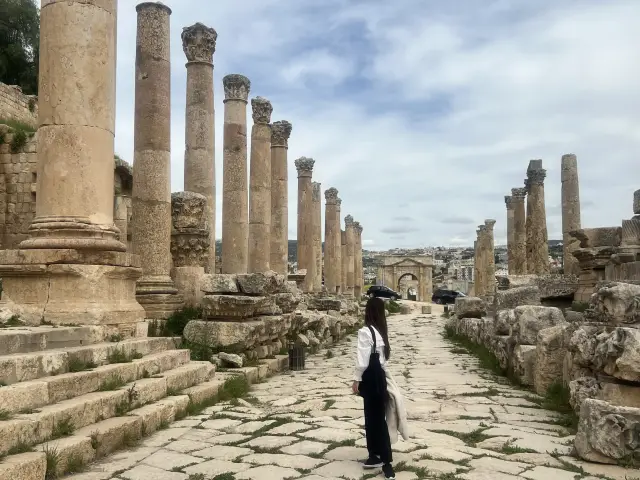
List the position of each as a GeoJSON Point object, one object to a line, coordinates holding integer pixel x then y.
{"type": "Point", "coordinates": [416, 109]}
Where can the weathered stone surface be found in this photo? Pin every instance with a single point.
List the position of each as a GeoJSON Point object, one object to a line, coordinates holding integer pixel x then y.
{"type": "Point", "coordinates": [620, 394]}
{"type": "Point", "coordinates": [515, 297]}
{"type": "Point", "coordinates": [470, 307]}
{"type": "Point", "coordinates": [315, 302]}
{"type": "Point", "coordinates": [531, 319]}
{"type": "Point", "coordinates": [287, 302]}
{"type": "Point", "coordinates": [221, 283]}
{"type": "Point", "coordinates": [234, 306]}
{"type": "Point", "coordinates": [231, 359]}
{"type": "Point", "coordinates": [236, 336]}
{"type": "Point", "coordinates": [607, 433]}
{"type": "Point", "coordinates": [524, 363]}
{"type": "Point", "coordinates": [582, 389]}
{"type": "Point", "coordinates": [550, 285]}
{"type": "Point", "coordinates": [616, 303]}
{"type": "Point", "coordinates": [505, 322]}
{"type": "Point", "coordinates": [550, 352]}
{"type": "Point", "coordinates": [618, 354]}
{"type": "Point", "coordinates": [426, 309]}
{"type": "Point", "coordinates": [266, 283]}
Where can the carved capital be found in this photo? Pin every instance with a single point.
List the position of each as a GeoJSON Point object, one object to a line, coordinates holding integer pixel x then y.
{"type": "Point", "coordinates": [236, 87]}
{"type": "Point", "coordinates": [358, 227]}
{"type": "Point", "coordinates": [262, 109]}
{"type": "Point", "coordinates": [489, 223]}
{"type": "Point", "coordinates": [348, 221]}
{"type": "Point", "coordinates": [199, 43]}
{"type": "Point", "coordinates": [190, 249]}
{"type": "Point", "coordinates": [188, 211]}
{"type": "Point", "coordinates": [518, 194]}
{"type": "Point", "coordinates": [280, 133]}
{"type": "Point", "coordinates": [536, 177]}
{"type": "Point", "coordinates": [331, 196]}
{"type": "Point", "coordinates": [339, 203]}
{"type": "Point", "coordinates": [304, 165]}
{"type": "Point", "coordinates": [508, 201]}
{"type": "Point", "coordinates": [315, 192]}
{"type": "Point", "coordinates": [190, 230]}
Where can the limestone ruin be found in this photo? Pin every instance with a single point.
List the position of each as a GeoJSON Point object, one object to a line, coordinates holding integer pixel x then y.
{"type": "Point", "coordinates": [100, 259]}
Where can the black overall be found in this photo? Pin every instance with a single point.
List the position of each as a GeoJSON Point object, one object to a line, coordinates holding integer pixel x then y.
{"type": "Point", "coordinates": [373, 390]}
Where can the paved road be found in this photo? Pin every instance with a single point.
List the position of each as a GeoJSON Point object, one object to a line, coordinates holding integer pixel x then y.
{"type": "Point", "coordinates": [464, 425]}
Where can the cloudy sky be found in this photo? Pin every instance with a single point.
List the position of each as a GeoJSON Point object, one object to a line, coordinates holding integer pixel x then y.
{"type": "Point", "coordinates": [425, 114]}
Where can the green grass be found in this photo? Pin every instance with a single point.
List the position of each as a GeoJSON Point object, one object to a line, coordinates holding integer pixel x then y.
{"type": "Point", "coordinates": [118, 355]}
{"type": "Point", "coordinates": [53, 459]}
{"type": "Point", "coordinates": [13, 321]}
{"type": "Point", "coordinates": [112, 382]}
{"type": "Point", "coordinates": [485, 357]}
{"type": "Point", "coordinates": [79, 365]}
{"type": "Point", "coordinates": [16, 125]}
{"type": "Point", "coordinates": [470, 438]}
{"type": "Point", "coordinates": [62, 428]}
{"type": "Point", "coordinates": [556, 399]}
{"type": "Point", "coordinates": [580, 307]}
{"type": "Point", "coordinates": [4, 415]}
{"type": "Point", "coordinates": [75, 464]}
{"type": "Point", "coordinates": [393, 306]}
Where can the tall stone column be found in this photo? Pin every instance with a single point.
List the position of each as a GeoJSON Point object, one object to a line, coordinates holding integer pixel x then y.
{"type": "Point", "coordinates": [316, 199]}
{"type": "Point", "coordinates": [338, 246]}
{"type": "Point", "coordinates": [235, 212]}
{"type": "Point", "coordinates": [570, 213]}
{"type": "Point", "coordinates": [73, 268]}
{"type": "Point", "coordinates": [351, 254]}
{"type": "Point", "coordinates": [199, 45]}
{"type": "Point", "coordinates": [260, 187]}
{"type": "Point", "coordinates": [331, 228]}
{"type": "Point", "coordinates": [344, 262]}
{"type": "Point", "coordinates": [538, 247]}
{"type": "Point", "coordinates": [529, 228]}
{"type": "Point", "coordinates": [508, 200]}
{"type": "Point", "coordinates": [478, 264]}
{"type": "Point", "coordinates": [359, 275]}
{"type": "Point", "coordinates": [490, 259]}
{"type": "Point", "coordinates": [519, 231]}
{"type": "Point", "coordinates": [304, 166]}
{"type": "Point", "coordinates": [279, 256]}
{"type": "Point", "coordinates": [152, 162]}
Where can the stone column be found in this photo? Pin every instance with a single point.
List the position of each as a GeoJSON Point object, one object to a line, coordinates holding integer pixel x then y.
{"type": "Point", "coordinates": [570, 213]}
{"type": "Point", "coordinates": [235, 213]}
{"type": "Point", "coordinates": [304, 167]}
{"type": "Point", "coordinates": [337, 238]}
{"type": "Point", "coordinates": [519, 231]}
{"type": "Point", "coordinates": [279, 257]}
{"type": "Point", "coordinates": [316, 200]}
{"type": "Point", "coordinates": [331, 228]}
{"type": "Point", "coordinates": [537, 247]}
{"type": "Point", "coordinates": [260, 187]}
{"type": "Point", "coordinates": [528, 228]}
{"type": "Point", "coordinates": [199, 45]}
{"type": "Point", "coordinates": [190, 246]}
{"type": "Point", "coordinates": [351, 254]}
{"type": "Point", "coordinates": [359, 276]}
{"type": "Point", "coordinates": [508, 200]}
{"type": "Point", "coordinates": [152, 162]}
{"type": "Point", "coordinates": [73, 268]}
{"type": "Point", "coordinates": [490, 259]}
{"type": "Point", "coordinates": [344, 262]}
{"type": "Point", "coordinates": [478, 263]}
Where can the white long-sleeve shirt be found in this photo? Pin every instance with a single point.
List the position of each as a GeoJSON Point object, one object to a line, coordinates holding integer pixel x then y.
{"type": "Point", "coordinates": [365, 342]}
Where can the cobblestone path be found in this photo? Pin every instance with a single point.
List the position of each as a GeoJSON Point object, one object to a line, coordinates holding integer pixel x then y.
{"type": "Point", "coordinates": [305, 425]}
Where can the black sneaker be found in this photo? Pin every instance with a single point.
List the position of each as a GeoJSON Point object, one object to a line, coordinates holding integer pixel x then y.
{"type": "Point", "coordinates": [389, 474]}
{"type": "Point", "coordinates": [372, 462]}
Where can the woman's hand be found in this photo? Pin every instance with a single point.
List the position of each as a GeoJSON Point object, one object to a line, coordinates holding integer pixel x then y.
{"type": "Point", "coordinates": [355, 387]}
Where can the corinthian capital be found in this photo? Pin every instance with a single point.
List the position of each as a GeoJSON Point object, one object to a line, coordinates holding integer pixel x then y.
{"type": "Point", "coordinates": [280, 133]}
{"type": "Point", "coordinates": [261, 108]}
{"type": "Point", "coordinates": [199, 43]}
{"type": "Point", "coordinates": [339, 203]}
{"type": "Point", "coordinates": [348, 221]}
{"type": "Point", "coordinates": [536, 177]}
{"type": "Point", "coordinates": [508, 201]}
{"type": "Point", "coordinates": [304, 165]}
{"type": "Point", "coordinates": [236, 87]}
{"type": "Point", "coordinates": [489, 223]}
{"type": "Point", "coordinates": [518, 193]}
{"type": "Point", "coordinates": [358, 227]}
{"type": "Point", "coordinates": [331, 195]}
{"type": "Point", "coordinates": [315, 192]}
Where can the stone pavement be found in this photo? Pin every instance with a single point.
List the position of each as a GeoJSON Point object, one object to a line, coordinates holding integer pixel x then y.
{"type": "Point", "coordinates": [305, 425]}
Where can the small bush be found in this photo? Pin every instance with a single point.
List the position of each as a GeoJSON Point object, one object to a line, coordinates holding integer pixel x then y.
{"type": "Point", "coordinates": [32, 104]}
{"type": "Point", "coordinates": [393, 306]}
{"type": "Point", "coordinates": [53, 459]}
{"type": "Point", "coordinates": [174, 325]}
{"type": "Point", "coordinates": [62, 428]}
{"type": "Point", "coordinates": [580, 307]}
{"type": "Point", "coordinates": [19, 141]}
{"type": "Point", "coordinates": [79, 365]}
{"type": "Point", "coordinates": [113, 382]}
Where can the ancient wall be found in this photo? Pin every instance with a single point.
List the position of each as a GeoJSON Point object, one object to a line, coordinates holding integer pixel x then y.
{"type": "Point", "coordinates": [15, 105]}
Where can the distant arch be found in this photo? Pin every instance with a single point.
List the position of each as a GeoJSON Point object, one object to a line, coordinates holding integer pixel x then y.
{"type": "Point", "coordinates": [394, 268]}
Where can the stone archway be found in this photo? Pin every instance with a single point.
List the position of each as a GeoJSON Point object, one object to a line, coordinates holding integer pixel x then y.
{"type": "Point", "coordinates": [408, 284]}
{"type": "Point", "coordinates": [392, 268]}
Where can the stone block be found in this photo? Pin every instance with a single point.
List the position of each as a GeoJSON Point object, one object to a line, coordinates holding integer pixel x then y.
{"type": "Point", "coordinates": [581, 389]}
{"type": "Point", "coordinates": [531, 319]}
{"type": "Point", "coordinates": [25, 466]}
{"type": "Point", "coordinates": [502, 347]}
{"type": "Point", "coordinates": [505, 322]}
{"type": "Point", "coordinates": [426, 309]}
{"type": "Point", "coordinates": [524, 363]}
{"type": "Point", "coordinates": [219, 283]}
{"type": "Point", "coordinates": [620, 394]}
{"type": "Point", "coordinates": [230, 359]}
{"type": "Point", "coordinates": [550, 352]}
{"type": "Point", "coordinates": [618, 354]}
{"type": "Point", "coordinates": [266, 283]}
{"type": "Point", "coordinates": [323, 303]}
{"type": "Point", "coordinates": [616, 303]}
{"type": "Point", "coordinates": [233, 306]}
{"type": "Point", "coordinates": [470, 307]}
{"type": "Point", "coordinates": [607, 433]}
{"type": "Point", "coordinates": [515, 297]}
{"type": "Point", "coordinates": [287, 302]}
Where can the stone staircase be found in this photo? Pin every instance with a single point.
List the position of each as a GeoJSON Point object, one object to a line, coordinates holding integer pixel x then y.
{"type": "Point", "coordinates": [68, 396]}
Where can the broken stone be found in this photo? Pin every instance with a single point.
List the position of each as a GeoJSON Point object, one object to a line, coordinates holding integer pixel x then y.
{"type": "Point", "coordinates": [230, 359]}
{"type": "Point", "coordinates": [531, 319]}
{"type": "Point", "coordinates": [550, 352]}
{"type": "Point", "coordinates": [582, 389]}
{"type": "Point", "coordinates": [505, 321]}
{"type": "Point", "coordinates": [524, 363]}
{"type": "Point", "coordinates": [232, 306]}
{"type": "Point", "coordinates": [302, 339]}
{"type": "Point", "coordinates": [618, 354]}
{"type": "Point", "coordinates": [616, 303]}
{"type": "Point", "coordinates": [515, 297]}
{"type": "Point", "coordinates": [470, 307]}
{"type": "Point", "coordinates": [266, 283]}
{"type": "Point", "coordinates": [287, 302]}
{"type": "Point", "coordinates": [220, 283]}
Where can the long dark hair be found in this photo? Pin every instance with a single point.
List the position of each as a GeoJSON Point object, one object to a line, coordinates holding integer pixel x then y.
{"type": "Point", "coordinates": [374, 315]}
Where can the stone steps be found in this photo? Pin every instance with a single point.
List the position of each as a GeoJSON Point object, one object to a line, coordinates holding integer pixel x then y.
{"type": "Point", "coordinates": [21, 367]}
{"type": "Point", "coordinates": [25, 430]}
{"type": "Point", "coordinates": [33, 339]}
{"type": "Point", "coordinates": [37, 393]}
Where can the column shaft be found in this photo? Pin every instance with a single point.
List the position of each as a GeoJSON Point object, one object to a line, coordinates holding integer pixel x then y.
{"type": "Point", "coordinates": [359, 274]}
{"type": "Point", "coordinates": [199, 44]}
{"type": "Point", "coordinates": [519, 232]}
{"type": "Point", "coordinates": [508, 200]}
{"type": "Point", "coordinates": [570, 213]}
{"type": "Point", "coordinates": [344, 260]}
{"type": "Point", "coordinates": [337, 239]}
{"type": "Point", "coordinates": [306, 260]}
{"type": "Point", "coordinates": [537, 221]}
{"type": "Point", "coordinates": [260, 187]}
{"type": "Point", "coordinates": [316, 199]}
{"type": "Point", "coordinates": [235, 213]}
{"type": "Point", "coordinates": [152, 161]}
{"type": "Point", "coordinates": [351, 254]}
{"type": "Point", "coordinates": [279, 256]}
{"type": "Point", "coordinates": [331, 270]}
{"type": "Point", "coordinates": [490, 262]}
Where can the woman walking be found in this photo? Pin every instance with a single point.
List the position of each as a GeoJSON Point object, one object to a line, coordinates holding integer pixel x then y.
{"type": "Point", "coordinates": [370, 383]}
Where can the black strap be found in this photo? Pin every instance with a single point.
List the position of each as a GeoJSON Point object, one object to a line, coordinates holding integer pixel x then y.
{"type": "Point", "coordinates": [373, 335]}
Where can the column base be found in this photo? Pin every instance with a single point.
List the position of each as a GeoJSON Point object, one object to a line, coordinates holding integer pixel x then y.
{"type": "Point", "coordinates": [158, 296]}
{"type": "Point", "coordinates": [72, 287]}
